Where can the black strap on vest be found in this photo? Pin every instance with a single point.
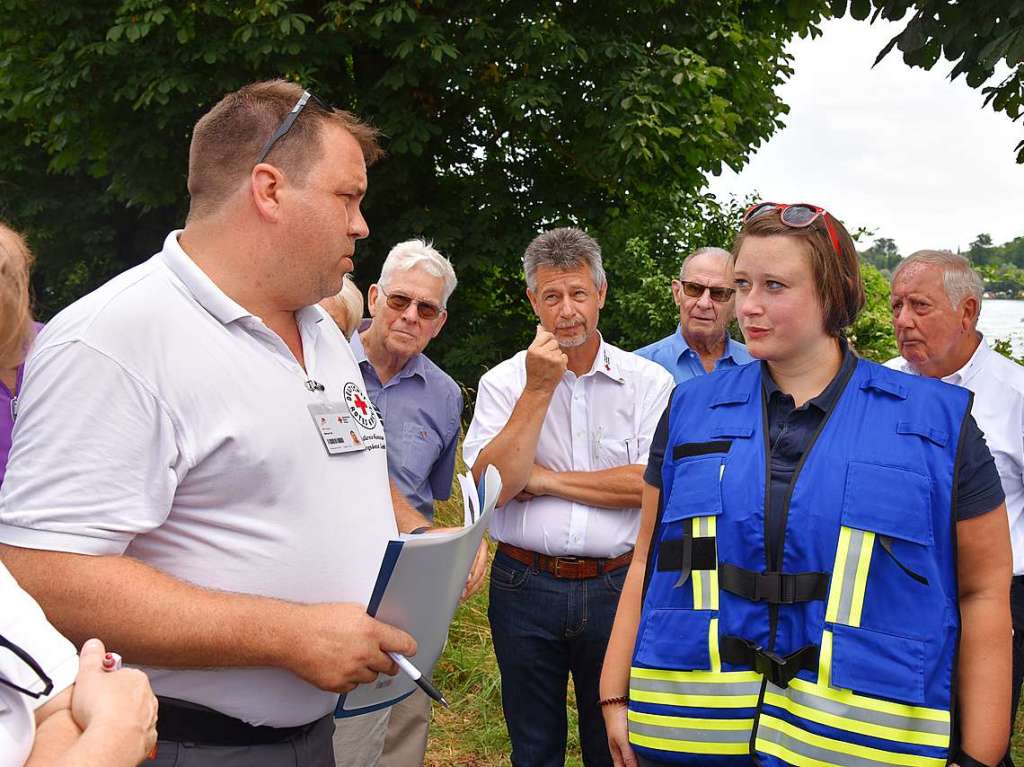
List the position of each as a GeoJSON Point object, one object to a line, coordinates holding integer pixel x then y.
{"type": "Point", "coordinates": [886, 543]}
{"type": "Point", "coordinates": [777, 669]}
{"type": "Point", "coordinates": [968, 761]}
{"type": "Point", "coordinates": [687, 554]}
{"type": "Point", "coordinates": [772, 587]}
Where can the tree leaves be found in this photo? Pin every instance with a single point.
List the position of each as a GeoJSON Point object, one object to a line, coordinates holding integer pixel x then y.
{"type": "Point", "coordinates": [978, 36]}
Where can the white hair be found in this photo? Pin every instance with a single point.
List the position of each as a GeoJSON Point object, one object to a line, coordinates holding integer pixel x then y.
{"type": "Point", "coordinates": [958, 278]}
{"type": "Point", "coordinates": [419, 254]}
{"type": "Point", "coordinates": [708, 251]}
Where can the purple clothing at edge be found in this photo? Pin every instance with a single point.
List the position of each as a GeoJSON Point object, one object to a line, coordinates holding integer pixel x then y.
{"type": "Point", "coordinates": [7, 399]}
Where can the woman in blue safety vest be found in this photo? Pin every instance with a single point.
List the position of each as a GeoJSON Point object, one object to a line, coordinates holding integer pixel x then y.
{"type": "Point", "coordinates": [821, 572]}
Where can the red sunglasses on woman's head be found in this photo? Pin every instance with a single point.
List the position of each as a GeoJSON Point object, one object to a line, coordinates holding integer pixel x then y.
{"type": "Point", "coordinates": [798, 216]}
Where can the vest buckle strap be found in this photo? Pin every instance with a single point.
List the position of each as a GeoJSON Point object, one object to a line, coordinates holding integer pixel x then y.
{"type": "Point", "coordinates": [773, 587]}
{"type": "Point", "coordinates": [777, 669]}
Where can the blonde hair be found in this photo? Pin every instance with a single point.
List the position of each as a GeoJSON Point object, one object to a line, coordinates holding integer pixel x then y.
{"type": "Point", "coordinates": [346, 306]}
{"type": "Point", "coordinates": [16, 325]}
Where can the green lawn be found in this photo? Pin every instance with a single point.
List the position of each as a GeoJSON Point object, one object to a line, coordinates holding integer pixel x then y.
{"type": "Point", "coordinates": [472, 732]}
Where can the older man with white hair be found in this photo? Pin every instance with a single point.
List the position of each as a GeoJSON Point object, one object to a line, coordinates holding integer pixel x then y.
{"type": "Point", "coordinates": [936, 301]}
{"type": "Point", "coordinates": [701, 344]}
{"type": "Point", "coordinates": [421, 407]}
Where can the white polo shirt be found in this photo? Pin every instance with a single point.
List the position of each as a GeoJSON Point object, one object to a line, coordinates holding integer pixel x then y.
{"type": "Point", "coordinates": [161, 420]}
{"type": "Point", "coordinates": [603, 419]}
{"type": "Point", "coordinates": [22, 623]}
{"type": "Point", "coordinates": [998, 386]}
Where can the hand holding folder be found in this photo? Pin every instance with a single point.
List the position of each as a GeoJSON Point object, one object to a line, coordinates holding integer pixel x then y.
{"type": "Point", "coordinates": [418, 587]}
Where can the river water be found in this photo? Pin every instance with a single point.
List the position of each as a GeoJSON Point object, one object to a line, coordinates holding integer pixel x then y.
{"type": "Point", "coordinates": [1003, 318]}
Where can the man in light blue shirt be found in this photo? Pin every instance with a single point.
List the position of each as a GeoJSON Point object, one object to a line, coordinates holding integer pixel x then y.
{"type": "Point", "coordinates": [704, 295]}
{"type": "Point", "coordinates": [421, 407]}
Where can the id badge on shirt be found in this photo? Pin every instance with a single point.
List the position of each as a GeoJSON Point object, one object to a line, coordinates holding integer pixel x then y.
{"type": "Point", "coordinates": [337, 428]}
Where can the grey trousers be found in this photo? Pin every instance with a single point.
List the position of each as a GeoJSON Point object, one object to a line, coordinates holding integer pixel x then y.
{"type": "Point", "coordinates": [313, 749]}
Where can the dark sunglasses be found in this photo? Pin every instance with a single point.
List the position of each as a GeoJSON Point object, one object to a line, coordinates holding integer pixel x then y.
{"type": "Point", "coordinates": [799, 216]}
{"type": "Point", "coordinates": [289, 121]}
{"type": "Point", "coordinates": [400, 302]}
{"type": "Point", "coordinates": [696, 290]}
{"type": "Point", "coordinates": [44, 681]}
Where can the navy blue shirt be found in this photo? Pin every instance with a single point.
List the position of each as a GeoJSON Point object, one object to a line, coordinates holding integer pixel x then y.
{"type": "Point", "coordinates": [791, 428]}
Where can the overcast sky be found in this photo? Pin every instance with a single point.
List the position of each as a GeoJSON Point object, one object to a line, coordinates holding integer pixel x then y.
{"type": "Point", "coordinates": [902, 151]}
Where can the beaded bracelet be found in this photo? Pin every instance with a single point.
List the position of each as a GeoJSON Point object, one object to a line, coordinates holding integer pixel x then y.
{"type": "Point", "coordinates": [622, 699]}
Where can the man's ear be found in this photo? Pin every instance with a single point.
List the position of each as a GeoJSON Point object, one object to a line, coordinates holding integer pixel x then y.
{"type": "Point", "coordinates": [265, 185]}
{"type": "Point", "coordinates": [602, 294]}
{"type": "Point", "coordinates": [677, 288]}
{"type": "Point", "coordinates": [440, 323]}
{"type": "Point", "coordinates": [371, 299]}
{"type": "Point", "coordinates": [533, 302]}
{"type": "Point", "coordinates": [970, 308]}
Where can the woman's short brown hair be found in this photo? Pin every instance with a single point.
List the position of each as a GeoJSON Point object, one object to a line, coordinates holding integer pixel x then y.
{"type": "Point", "coordinates": [16, 326]}
{"type": "Point", "coordinates": [228, 139]}
{"type": "Point", "coordinates": [836, 275]}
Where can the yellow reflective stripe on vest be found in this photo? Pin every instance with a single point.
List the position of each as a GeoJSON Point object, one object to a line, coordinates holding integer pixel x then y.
{"type": "Point", "coordinates": [705, 582]}
{"type": "Point", "coordinates": [706, 689]}
{"type": "Point", "coordinates": [805, 749]}
{"type": "Point", "coordinates": [807, 702]}
{"type": "Point", "coordinates": [849, 576]}
{"type": "Point", "coordinates": [690, 735]}
{"type": "Point", "coordinates": [713, 651]}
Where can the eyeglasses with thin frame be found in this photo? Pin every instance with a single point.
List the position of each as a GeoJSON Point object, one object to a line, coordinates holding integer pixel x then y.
{"type": "Point", "coordinates": [28, 660]}
{"type": "Point", "coordinates": [798, 216]}
{"type": "Point", "coordinates": [400, 302]}
{"type": "Point", "coordinates": [696, 290]}
{"type": "Point", "coordinates": [289, 121]}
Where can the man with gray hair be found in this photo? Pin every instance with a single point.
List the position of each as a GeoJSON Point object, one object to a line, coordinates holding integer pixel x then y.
{"type": "Point", "coordinates": [936, 301]}
{"type": "Point", "coordinates": [421, 407]}
{"type": "Point", "coordinates": [701, 344]}
{"type": "Point", "coordinates": [568, 422]}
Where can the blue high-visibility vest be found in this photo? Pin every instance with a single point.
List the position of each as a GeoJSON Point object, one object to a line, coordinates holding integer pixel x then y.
{"type": "Point", "coordinates": [837, 649]}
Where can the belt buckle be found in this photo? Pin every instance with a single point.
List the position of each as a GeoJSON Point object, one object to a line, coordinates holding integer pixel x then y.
{"type": "Point", "coordinates": [559, 561]}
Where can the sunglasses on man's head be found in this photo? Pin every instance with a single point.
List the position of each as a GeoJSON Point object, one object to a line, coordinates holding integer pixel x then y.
{"type": "Point", "coordinates": [696, 290]}
{"type": "Point", "coordinates": [798, 216]}
{"type": "Point", "coordinates": [400, 302]}
{"type": "Point", "coordinates": [289, 121]}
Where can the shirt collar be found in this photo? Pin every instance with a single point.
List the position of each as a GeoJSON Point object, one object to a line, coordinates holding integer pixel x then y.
{"type": "Point", "coordinates": [827, 399]}
{"type": "Point", "coordinates": [974, 365]}
{"type": "Point", "coordinates": [198, 283]}
{"type": "Point", "coordinates": [414, 367]}
{"type": "Point", "coordinates": [606, 362]}
{"type": "Point", "coordinates": [680, 345]}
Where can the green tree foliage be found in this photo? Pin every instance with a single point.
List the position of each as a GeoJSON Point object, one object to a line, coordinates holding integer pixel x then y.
{"type": "Point", "coordinates": [502, 118]}
{"type": "Point", "coordinates": [981, 251]}
{"type": "Point", "coordinates": [976, 35]}
{"type": "Point", "coordinates": [883, 255]}
{"type": "Point", "coordinates": [872, 335]}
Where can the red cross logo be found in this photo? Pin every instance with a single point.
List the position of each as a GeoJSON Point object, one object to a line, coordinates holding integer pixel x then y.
{"type": "Point", "coordinates": [360, 403]}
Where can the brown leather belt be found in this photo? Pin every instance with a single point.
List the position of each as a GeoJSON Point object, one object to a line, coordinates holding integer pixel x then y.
{"type": "Point", "coordinates": [572, 568]}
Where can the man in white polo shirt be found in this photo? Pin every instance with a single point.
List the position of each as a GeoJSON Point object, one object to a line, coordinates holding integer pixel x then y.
{"type": "Point", "coordinates": [936, 301]}
{"type": "Point", "coordinates": [568, 423]}
{"type": "Point", "coordinates": [183, 481]}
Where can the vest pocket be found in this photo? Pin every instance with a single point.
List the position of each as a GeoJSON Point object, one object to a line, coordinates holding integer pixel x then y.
{"type": "Point", "coordinates": [878, 664]}
{"type": "Point", "coordinates": [696, 488]}
{"type": "Point", "coordinates": [675, 639]}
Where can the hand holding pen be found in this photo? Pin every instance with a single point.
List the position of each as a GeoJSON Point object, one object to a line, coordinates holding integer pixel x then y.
{"type": "Point", "coordinates": [417, 676]}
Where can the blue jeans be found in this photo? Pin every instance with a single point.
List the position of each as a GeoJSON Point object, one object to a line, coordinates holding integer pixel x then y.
{"type": "Point", "coordinates": [544, 629]}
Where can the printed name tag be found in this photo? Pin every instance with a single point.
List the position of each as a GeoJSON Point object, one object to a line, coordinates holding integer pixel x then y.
{"type": "Point", "coordinates": [337, 428]}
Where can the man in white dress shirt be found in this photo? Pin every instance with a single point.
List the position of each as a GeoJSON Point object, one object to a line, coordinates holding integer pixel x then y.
{"type": "Point", "coordinates": [936, 300]}
{"type": "Point", "coordinates": [568, 423]}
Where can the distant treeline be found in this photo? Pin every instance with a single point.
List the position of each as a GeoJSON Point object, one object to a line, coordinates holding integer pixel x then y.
{"type": "Point", "coordinates": [1001, 266]}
